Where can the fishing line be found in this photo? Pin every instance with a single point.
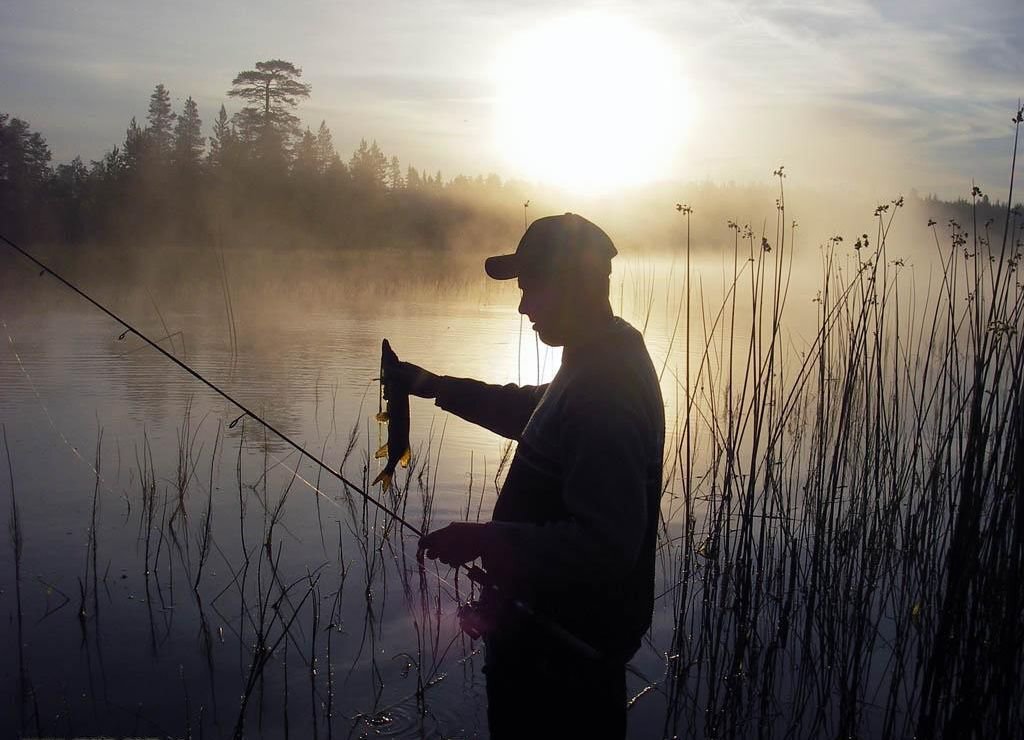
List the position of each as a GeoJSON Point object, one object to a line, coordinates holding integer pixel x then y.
{"type": "Point", "coordinates": [475, 573]}
{"type": "Point", "coordinates": [326, 496]}
{"type": "Point", "coordinates": [448, 587]}
{"type": "Point", "coordinates": [46, 411]}
{"type": "Point", "coordinates": [130, 329]}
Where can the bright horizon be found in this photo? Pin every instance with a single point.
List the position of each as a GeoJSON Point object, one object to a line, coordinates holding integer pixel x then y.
{"type": "Point", "coordinates": [850, 97]}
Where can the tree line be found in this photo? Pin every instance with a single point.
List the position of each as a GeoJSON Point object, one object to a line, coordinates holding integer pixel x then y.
{"type": "Point", "coordinates": [258, 174]}
{"type": "Point", "coordinates": [259, 177]}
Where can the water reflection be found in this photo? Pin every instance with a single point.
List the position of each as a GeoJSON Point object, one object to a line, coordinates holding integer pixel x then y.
{"type": "Point", "coordinates": [228, 583]}
{"type": "Point", "coordinates": [221, 564]}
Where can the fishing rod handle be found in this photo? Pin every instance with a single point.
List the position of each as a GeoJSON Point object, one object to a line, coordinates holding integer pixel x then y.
{"type": "Point", "coordinates": [481, 577]}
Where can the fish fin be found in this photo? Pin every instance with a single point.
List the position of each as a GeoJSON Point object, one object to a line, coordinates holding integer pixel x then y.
{"type": "Point", "coordinates": [384, 478]}
{"type": "Point", "coordinates": [406, 456]}
{"type": "Point", "coordinates": [382, 452]}
{"type": "Point", "coordinates": [382, 416]}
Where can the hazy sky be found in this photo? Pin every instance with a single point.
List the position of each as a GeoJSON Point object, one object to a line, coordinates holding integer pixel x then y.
{"type": "Point", "coordinates": [878, 96]}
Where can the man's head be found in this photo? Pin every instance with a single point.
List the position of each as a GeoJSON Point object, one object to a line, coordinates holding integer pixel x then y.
{"type": "Point", "coordinates": [562, 264]}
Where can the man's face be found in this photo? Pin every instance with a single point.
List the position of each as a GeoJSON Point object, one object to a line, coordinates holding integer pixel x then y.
{"type": "Point", "coordinates": [545, 302]}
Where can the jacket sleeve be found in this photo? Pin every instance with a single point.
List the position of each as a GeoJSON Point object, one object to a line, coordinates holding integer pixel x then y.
{"type": "Point", "coordinates": [604, 443]}
{"type": "Point", "coordinates": [503, 409]}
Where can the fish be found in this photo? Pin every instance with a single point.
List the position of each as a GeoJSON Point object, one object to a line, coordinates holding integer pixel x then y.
{"type": "Point", "coordinates": [396, 449]}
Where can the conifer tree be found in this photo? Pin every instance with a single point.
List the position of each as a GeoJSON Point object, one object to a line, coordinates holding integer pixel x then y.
{"type": "Point", "coordinates": [306, 155]}
{"type": "Point", "coordinates": [272, 90]}
{"type": "Point", "coordinates": [161, 121]}
{"type": "Point", "coordinates": [109, 168]}
{"type": "Point", "coordinates": [134, 150]}
{"type": "Point", "coordinates": [24, 170]}
{"type": "Point", "coordinates": [221, 141]}
{"type": "Point", "coordinates": [412, 178]}
{"type": "Point", "coordinates": [369, 165]}
{"type": "Point", "coordinates": [326, 156]}
{"type": "Point", "coordinates": [188, 139]}
{"type": "Point", "coordinates": [395, 180]}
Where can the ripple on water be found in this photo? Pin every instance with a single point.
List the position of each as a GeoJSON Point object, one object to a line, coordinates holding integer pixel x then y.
{"type": "Point", "coordinates": [405, 720]}
{"type": "Point", "coordinates": [402, 720]}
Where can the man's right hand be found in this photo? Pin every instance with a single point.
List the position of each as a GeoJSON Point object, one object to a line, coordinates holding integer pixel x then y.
{"type": "Point", "coordinates": [405, 376]}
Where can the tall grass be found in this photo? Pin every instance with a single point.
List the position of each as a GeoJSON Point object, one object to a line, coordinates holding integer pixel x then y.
{"type": "Point", "coordinates": [841, 533]}
{"type": "Point", "coordinates": [843, 523]}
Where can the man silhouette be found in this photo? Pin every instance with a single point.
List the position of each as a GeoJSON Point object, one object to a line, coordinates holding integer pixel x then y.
{"type": "Point", "coordinates": [573, 531]}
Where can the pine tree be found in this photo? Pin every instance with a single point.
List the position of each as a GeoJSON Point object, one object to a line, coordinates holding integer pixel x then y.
{"type": "Point", "coordinates": [272, 91]}
{"type": "Point", "coordinates": [24, 170]}
{"type": "Point", "coordinates": [306, 156]}
{"type": "Point", "coordinates": [359, 156]}
{"type": "Point", "coordinates": [379, 163]}
{"type": "Point", "coordinates": [412, 178]}
{"type": "Point", "coordinates": [337, 171]}
{"type": "Point", "coordinates": [70, 179]}
{"type": "Point", "coordinates": [369, 165]}
{"type": "Point", "coordinates": [71, 186]}
{"type": "Point", "coordinates": [134, 150]}
{"type": "Point", "coordinates": [161, 121]}
{"type": "Point", "coordinates": [326, 156]}
{"type": "Point", "coordinates": [221, 141]}
{"type": "Point", "coordinates": [24, 154]}
{"type": "Point", "coordinates": [395, 180]}
{"type": "Point", "coordinates": [188, 139]}
{"type": "Point", "coordinates": [109, 168]}
{"type": "Point", "coordinates": [358, 165]}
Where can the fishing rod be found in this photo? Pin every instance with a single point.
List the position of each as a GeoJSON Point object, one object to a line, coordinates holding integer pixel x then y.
{"type": "Point", "coordinates": [475, 573]}
{"type": "Point", "coordinates": [246, 411]}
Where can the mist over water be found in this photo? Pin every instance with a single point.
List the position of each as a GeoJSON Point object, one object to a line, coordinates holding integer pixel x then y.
{"type": "Point", "coordinates": [841, 534]}
{"type": "Point", "coordinates": [162, 547]}
{"type": "Point", "coordinates": [308, 336]}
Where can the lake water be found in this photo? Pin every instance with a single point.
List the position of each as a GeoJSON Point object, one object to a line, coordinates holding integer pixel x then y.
{"type": "Point", "coordinates": [174, 569]}
{"type": "Point", "coordinates": [128, 627]}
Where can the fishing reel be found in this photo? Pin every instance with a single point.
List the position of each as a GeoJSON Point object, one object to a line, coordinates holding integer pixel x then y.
{"type": "Point", "coordinates": [477, 619]}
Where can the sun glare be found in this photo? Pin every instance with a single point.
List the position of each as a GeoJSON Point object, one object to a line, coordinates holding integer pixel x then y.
{"type": "Point", "coordinates": [590, 103]}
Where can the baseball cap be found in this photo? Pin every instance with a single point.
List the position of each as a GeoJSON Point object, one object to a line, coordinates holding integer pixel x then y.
{"type": "Point", "coordinates": [556, 245]}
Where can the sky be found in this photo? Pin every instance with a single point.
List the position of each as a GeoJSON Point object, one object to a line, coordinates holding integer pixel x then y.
{"type": "Point", "coordinates": [878, 97]}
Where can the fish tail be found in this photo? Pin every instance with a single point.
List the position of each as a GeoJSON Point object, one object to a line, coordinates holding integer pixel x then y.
{"type": "Point", "coordinates": [384, 478]}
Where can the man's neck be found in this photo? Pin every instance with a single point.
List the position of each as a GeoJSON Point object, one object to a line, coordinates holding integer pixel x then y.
{"type": "Point", "coordinates": [591, 324]}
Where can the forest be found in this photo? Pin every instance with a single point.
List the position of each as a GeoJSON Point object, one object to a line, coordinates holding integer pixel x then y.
{"type": "Point", "coordinates": [259, 176]}
{"type": "Point", "coordinates": [258, 173]}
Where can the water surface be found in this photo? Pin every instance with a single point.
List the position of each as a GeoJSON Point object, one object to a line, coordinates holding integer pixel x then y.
{"type": "Point", "coordinates": [115, 634]}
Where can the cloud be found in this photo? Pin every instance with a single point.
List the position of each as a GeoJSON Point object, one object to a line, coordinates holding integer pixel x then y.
{"type": "Point", "coordinates": [927, 82]}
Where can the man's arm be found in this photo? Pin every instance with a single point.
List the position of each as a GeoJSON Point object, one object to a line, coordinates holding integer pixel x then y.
{"type": "Point", "coordinates": [503, 409]}
{"type": "Point", "coordinates": [605, 450]}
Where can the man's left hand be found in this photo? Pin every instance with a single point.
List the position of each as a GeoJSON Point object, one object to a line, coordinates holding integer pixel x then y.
{"type": "Point", "coordinates": [454, 545]}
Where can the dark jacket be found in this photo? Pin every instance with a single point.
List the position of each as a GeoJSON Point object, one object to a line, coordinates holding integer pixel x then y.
{"type": "Point", "coordinates": [576, 519]}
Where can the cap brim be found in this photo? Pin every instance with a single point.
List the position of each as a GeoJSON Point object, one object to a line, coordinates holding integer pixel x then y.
{"type": "Point", "coordinates": [502, 267]}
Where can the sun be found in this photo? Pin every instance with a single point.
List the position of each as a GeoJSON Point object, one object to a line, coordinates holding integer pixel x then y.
{"type": "Point", "coordinates": [590, 103]}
